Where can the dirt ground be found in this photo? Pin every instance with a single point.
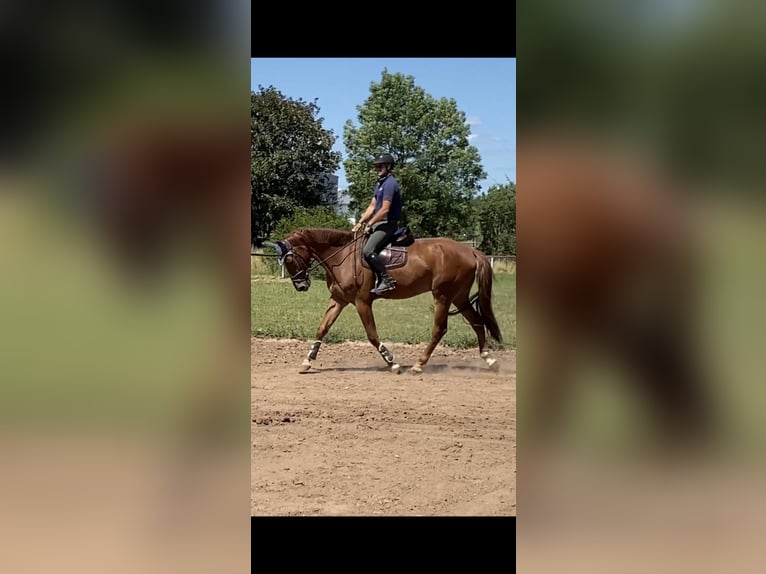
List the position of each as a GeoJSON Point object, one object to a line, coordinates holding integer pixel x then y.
{"type": "Point", "coordinates": [352, 439]}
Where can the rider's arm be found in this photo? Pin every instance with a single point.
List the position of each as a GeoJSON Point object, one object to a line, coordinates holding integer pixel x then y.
{"type": "Point", "coordinates": [382, 212]}
{"type": "Point", "coordinates": [366, 215]}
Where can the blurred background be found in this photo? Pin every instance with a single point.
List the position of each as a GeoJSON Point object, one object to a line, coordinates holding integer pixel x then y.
{"type": "Point", "coordinates": [125, 314]}
{"type": "Point", "coordinates": [124, 237]}
{"type": "Point", "coordinates": [640, 294]}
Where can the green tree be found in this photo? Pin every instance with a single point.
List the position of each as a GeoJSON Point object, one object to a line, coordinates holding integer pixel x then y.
{"type": "Point", "coordinates": [497, 220]}
{"type": "Point", "coordinates": [315, 217]}
{"type": "Point", "coordinates": [289, 152]}
{"type": "Point", "coordinates": [437, 169]}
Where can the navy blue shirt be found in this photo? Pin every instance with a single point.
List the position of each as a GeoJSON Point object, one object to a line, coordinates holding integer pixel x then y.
{"type": "Point", "coordinates": [388, 189]}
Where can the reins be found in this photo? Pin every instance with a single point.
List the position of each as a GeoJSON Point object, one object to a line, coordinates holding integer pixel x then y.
{"type": "Point", "coordinates": [318, 262]}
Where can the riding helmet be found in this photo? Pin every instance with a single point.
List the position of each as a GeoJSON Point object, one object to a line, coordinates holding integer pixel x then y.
{"type": "Point", "coordinates": [384, 158]}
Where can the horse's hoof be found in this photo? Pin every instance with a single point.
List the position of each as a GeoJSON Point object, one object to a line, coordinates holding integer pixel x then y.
{"type": "Point", "coordinates": [415, 370]}
{"type": "Point", "coordinates": [396, 368]}
{"type": "Point", "coordinates": [494, 366]}
{"type": "Point", "coordinates": [305, 367]}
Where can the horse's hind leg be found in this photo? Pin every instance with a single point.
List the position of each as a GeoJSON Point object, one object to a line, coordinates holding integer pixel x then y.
{"type": "Point", "coordinates": [368, 320]}
{"type": "Point", "coordinates": [333, 311]}
{"type": "Point", "coordinates": [477, 324]}
{"type": "Point", "coordinates": [441, 316]}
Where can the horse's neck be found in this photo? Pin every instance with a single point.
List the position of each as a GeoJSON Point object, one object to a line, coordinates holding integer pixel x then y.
{"type": "Point", "coordinates": [323, 251]}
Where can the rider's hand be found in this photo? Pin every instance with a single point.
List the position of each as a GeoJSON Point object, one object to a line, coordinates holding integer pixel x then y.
{"type": "Point", "coordinates": [356, 227]}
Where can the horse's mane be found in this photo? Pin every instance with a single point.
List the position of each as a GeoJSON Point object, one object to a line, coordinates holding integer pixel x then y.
{"type": "Point", "coordinates": [325, 235]}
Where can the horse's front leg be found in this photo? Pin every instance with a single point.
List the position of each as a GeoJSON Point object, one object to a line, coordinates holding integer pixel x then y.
{"type": "Point", "coordinates": [331, 313]}
{"type": "Point", "coordinates": [368, 320]}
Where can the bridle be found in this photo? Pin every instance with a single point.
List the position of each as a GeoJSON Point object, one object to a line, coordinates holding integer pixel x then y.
{"type": "Point", "coordinates": [284, 248]}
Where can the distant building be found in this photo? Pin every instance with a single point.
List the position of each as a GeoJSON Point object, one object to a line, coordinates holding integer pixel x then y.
{"type": "Point", "coordinates": [344, 200]}
{"type": "Point", "coordinates": [339, 200]}
{"type": "Point", "coordinates": [329, 195]}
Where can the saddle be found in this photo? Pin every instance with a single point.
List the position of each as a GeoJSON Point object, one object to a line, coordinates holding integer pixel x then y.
{"type": "Point", "coordinates": [394, 255]}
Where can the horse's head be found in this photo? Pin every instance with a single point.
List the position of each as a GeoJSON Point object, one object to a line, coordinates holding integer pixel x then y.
{"type": "Point", "coordinates": [296, 260]}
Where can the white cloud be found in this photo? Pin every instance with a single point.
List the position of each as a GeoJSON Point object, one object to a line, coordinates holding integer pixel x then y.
{"type": "Point", "coordinates": [473, 121]}
{"type": "Point", "coordinates": [472, 137]}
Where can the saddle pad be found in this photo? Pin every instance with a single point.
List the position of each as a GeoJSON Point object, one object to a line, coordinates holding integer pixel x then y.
{"type": "Point", "coordinates": [392, 257]}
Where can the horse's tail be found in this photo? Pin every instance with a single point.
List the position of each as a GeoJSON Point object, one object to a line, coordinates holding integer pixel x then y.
{"type": "Point", "coordinates": [484, 276]}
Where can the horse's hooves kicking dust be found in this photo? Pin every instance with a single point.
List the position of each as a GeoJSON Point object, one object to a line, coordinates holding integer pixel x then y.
{"type": "Point", "coordinates": [306, 368]}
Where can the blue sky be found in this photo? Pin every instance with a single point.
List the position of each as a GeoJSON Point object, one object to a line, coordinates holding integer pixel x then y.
{"type": "Point", "coordinates": [484, 88]}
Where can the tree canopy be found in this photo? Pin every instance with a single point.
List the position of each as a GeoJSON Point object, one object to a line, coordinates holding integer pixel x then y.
{"type": "Point", "coordinates": [438, 170]}
{"type": "Point", "coordinates": [289, 152]}
{"type": "Point", "coordinates": [496, 212]}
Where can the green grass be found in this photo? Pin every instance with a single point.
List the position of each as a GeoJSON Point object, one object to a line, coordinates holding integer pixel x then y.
{"type": "Point", "coordinates": [278, 310]}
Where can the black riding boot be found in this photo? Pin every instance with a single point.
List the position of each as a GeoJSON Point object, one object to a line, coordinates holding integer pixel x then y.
{"type": "Point", "coordinates": [385, 281]}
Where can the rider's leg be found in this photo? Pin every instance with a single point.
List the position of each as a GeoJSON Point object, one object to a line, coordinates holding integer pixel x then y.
{"type": "Point", "coordinates": [378, 240]}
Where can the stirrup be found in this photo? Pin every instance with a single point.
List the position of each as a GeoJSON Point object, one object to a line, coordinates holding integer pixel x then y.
{"type": "Point", "coordinates": [383, 287]}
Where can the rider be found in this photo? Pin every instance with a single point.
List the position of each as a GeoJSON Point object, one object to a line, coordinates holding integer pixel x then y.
{"type": "Point", "coordinates": [382, 220]}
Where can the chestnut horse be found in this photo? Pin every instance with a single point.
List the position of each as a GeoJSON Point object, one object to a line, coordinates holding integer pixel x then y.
{"type": "Point", "coordinates": [442, 266]}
